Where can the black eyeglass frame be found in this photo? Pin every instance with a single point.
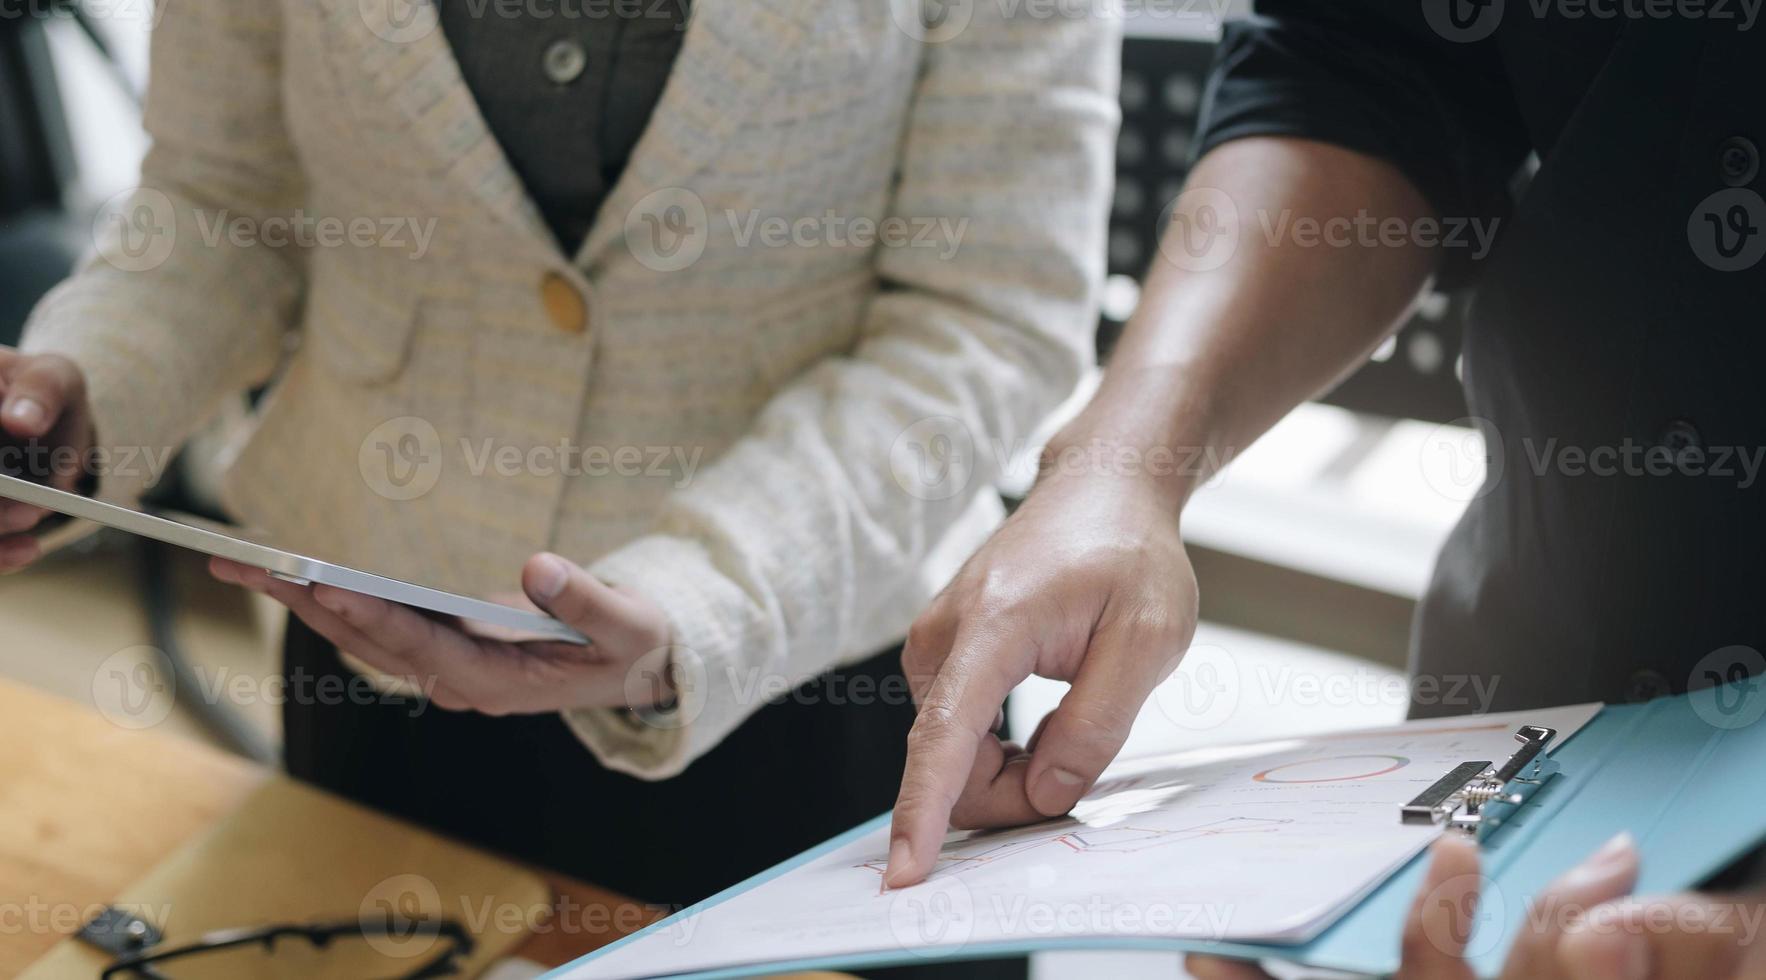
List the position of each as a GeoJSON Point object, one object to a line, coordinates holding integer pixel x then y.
{"type": "Point", "coordinates": [320, 935]}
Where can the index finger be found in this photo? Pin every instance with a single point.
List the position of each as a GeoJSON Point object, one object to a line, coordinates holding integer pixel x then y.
{"type": "Point", "coordinates": [956, 714]}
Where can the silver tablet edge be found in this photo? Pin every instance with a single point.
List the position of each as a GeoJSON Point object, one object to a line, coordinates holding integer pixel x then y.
{"type": "Point", "coordinates": [284, 564]}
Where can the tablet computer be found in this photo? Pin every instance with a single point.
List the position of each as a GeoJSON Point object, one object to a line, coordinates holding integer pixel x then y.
{"type": "Point", "coordinates": [233, 545]}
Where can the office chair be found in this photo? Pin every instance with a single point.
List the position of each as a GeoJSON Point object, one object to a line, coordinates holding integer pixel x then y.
{"type": "Point", "coordinates": [39, 240]}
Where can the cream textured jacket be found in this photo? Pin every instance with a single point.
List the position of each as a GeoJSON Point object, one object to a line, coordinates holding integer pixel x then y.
{"type": "Point", "coordinates": [849, 267]}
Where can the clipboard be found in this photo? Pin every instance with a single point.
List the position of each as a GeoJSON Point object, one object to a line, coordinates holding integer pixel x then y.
{"type": "Point", "coordinates": [1679, 773]}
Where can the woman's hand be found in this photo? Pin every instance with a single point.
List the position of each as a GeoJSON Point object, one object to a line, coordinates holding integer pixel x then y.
{"type": "Point", "coordinates": [1088, 582]}
{"type": "Point", "coordinates": [625, 666]}
{"type": "Point", "coordinates": [1583, 927]}
{"type": "Point", "coordinates": [45, 437]}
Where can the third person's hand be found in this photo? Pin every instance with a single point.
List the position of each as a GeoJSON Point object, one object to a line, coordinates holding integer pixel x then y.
{"type": "Point", "coordinates": [1088, 582]}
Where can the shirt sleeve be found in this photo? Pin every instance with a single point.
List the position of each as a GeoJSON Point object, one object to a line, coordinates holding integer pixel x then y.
{"type": "Point", "coordinates": [1373, 77]}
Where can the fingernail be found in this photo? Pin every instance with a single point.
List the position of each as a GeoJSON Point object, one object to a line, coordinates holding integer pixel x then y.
{"type": "Point", "coordinates": [1616, 849]}
{"type": "Point", "coordinates": [26, 411]}
{"type": "Point", "coordinates": [550, 577]}
{"type": "Point", "coordinates": [1052, 791]}
{"type": "Point", "coordinates": [1614, 860]}
{"type": "Point", "coordinates": [901, 855]}
{"type": "Point", "coordinates": [332, 599]}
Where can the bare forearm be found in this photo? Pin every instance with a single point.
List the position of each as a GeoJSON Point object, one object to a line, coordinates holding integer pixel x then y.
{"type": "Point", "coordinates": [1234, 330]}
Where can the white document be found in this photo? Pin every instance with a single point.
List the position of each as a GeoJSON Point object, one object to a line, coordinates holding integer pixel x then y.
{"type": "Point", "coordinates": [1268, 842]}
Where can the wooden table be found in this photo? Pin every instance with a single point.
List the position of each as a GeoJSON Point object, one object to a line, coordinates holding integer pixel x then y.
{"type": "Point", "coordinates": [87, 807]}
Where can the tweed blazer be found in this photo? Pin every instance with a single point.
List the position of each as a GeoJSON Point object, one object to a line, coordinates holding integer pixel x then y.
{"type": "Point", "coordinates": [852, 263]}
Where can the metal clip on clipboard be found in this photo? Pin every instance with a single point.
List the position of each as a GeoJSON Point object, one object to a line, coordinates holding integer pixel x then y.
{"type": "Point", "coordinates": [1476, 798]}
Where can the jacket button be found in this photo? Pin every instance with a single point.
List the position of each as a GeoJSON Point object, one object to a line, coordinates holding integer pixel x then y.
{"type": "Point", "coordinates": [1738, 160]}
{"type": "Point", "coordinates": [564, 61]}
{"type": "Point", "coordinates": [564, 304]}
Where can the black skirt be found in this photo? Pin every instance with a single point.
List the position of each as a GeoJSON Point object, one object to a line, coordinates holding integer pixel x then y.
{"type": "Point", "coordinates": [800, 770]}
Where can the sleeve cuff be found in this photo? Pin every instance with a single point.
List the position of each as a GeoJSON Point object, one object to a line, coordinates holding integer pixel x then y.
{"type": "Point", "coordinates": [703, 608]}
{"type": "Point", "coordinates": [130, 456]}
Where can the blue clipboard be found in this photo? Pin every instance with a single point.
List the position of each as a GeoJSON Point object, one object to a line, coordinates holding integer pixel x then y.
{"type": "Point", "coordinates": [1681, 774]}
